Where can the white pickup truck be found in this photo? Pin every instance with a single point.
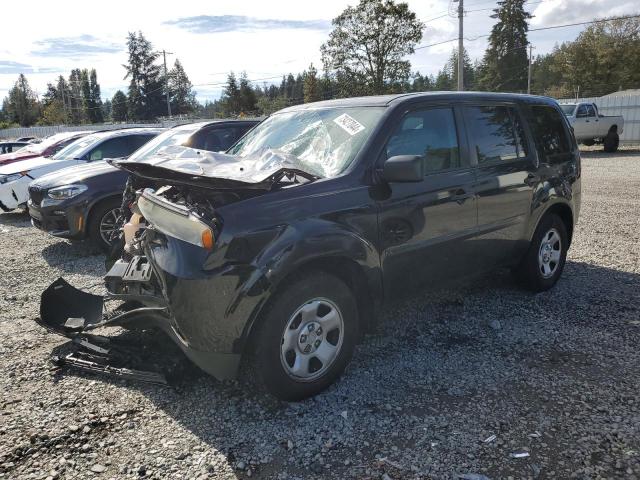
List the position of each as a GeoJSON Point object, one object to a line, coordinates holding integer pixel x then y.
{"type": "Point", "coordinates": [590, 127]}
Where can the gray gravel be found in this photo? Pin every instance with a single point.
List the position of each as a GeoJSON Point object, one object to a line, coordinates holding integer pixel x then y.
{"type": "Point", "coordinates": [453, 383]}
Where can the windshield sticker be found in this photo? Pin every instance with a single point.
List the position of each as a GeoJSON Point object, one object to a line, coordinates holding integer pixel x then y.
{"type": "Point", "coordinates": [349, 124]}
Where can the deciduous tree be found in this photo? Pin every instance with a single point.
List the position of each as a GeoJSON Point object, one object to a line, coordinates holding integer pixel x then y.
{"type": "Point", "coordinates": [369, 45]}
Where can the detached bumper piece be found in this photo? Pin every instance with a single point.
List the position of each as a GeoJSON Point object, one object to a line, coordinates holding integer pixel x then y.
{"type": "Point", "coordinates": [70, 312]}
{"type": "Point", "coordinates": [97, 354]}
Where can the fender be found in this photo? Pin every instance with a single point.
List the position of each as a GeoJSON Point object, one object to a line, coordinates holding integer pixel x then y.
{"type": "Point", "coordinates": [315, 243]}
{"type": "Point", "coordinates": [549, 197]}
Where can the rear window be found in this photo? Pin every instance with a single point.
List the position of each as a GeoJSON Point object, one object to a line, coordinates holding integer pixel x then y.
{"type": "Point", "coordinates": [496, 133]}
{"type": "Point", "coordinates": [549, 134]}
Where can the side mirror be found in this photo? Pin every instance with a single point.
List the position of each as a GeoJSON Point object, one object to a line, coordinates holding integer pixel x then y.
{"type": "Point", "coordinates": [404, 168]}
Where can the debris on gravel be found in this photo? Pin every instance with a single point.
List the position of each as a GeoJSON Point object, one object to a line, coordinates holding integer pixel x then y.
{"type": "Point", "coordinates": [450, 386]}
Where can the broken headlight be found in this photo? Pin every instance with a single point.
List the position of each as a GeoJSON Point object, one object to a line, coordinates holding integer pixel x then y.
{"type": "Point", "coordinates": [175, 220]}
{"type": "Point", "coordinates": [66, 191]}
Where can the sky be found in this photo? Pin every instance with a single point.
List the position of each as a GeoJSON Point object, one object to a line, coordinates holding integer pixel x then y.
{"type": "Point", "coordinates": [267, 39]}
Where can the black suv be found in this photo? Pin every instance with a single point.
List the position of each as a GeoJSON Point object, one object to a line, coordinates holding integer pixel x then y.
{"type": "Point", "coordinates": [287, 249]}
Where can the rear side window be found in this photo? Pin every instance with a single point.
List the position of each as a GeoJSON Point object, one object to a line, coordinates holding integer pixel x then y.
{"type": "Point", "coordinates": [496, 133]}
{"type": "Point", "coordinates": [112, 148]}
{"type": "Point", "coordinates": [549, 134]}
{"type": "Point", "coordinates": [136, 141]}
{"type": "Point", "coordinates": [430, 133]}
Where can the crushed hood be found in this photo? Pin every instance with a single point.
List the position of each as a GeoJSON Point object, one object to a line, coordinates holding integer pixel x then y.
{"type": "Point", "coordinates": [189, 166]}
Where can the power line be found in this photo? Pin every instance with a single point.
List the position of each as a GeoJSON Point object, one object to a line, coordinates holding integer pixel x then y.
{"type": "Point", "coordinates": [604, 20]}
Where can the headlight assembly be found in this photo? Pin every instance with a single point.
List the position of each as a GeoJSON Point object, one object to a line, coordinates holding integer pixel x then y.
{"type": "Point", "coordinates": [66, 191]}
{"type": "Point", "coordinates": [175, 220]}
{"type": "Point", "coordinates": [12, 177]}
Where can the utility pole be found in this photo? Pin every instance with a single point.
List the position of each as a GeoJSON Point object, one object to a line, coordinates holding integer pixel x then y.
{"type": "Point", "coordinates": [529, 74]}
{"type": "Point", "coordinates": [460, 47]}
{"type": "Point", "coordinates": [166, 80]}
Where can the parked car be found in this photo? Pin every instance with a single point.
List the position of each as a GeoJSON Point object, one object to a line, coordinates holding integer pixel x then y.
{"type": "Point", "coordinates": [27, 139]}
{"type": "Point", "coordinates": [10, 147]}
{"type": "Point", "coordinates": [85, 200]}
{"type": "Point", "coordinates": [47, 148]}
{"type": "Point", "coordinates": [590, 127]}
{"type": "Point", "coordinates": [15, 177]}
{"type": "Point", "coordinates": [285, 247]}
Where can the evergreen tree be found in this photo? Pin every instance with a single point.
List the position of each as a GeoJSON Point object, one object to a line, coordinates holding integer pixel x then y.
{"type": "Point", "coordinates": [105, 111]}
{"type": "Point", "coordinates": [182, 97]}
{"type": "Point", "coordinates": [504, 67]}
{"type": "Point", "coordinates": [53, 112]}
{"type": "Point", "coordinates": [452, 69]}
{"type": "Point", "coordinates": [231, 96]}
{"type": "Point", "coordinates": [146, 90]}
{"type": "Point", "coordinates": [246, 95]}
{"type": "Point", "coordinates": [85, 89]}
{"type": "Point", "coordinates": [75, 99]}
{"type": "Point", "coordinates": [95, 99]}
{"type": "Point", "coordinates": [22, 105]}
{"type": "Point", "coordinates": [119, 107]}
{"type": "Point", "coordinates": [311, 91]}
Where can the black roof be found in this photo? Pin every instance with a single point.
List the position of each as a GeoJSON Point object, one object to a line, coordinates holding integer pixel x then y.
{"type": "Point", "coordinates": [387, 100]}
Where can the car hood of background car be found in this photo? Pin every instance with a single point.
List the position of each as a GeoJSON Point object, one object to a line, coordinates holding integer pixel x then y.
{"type": "Point", "coordinates": [75, 174]}
{"type": "Point", "coordinates": [27, 165]}
{"type": "Point", "coordinates": [188, 166]}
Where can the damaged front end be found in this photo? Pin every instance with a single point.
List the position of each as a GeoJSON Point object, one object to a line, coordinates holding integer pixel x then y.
{"type": "Point", "coordinates": [173, 226]}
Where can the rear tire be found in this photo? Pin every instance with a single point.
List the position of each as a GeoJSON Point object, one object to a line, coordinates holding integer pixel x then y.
{"type": "Point", "coordinates": [611, 142]}
{"type": "Point", "coordinates": [316, 314]}
{"type": "Point", "coordinates": [544, 261]}
{"type": "Point", "coordinates": [102, 219]}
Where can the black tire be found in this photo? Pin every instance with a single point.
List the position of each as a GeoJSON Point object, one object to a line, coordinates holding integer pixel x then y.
{"type": "Point", "coordinates": [530, 271]}
{"type": "Point", "coordinates": [589, 143]}
{"type": "Point", "coordinates": [96, 216]}
{"type": "Point", "coordinates": [269, 364]}
{"type": "Point", "coordinates": [611, 142]}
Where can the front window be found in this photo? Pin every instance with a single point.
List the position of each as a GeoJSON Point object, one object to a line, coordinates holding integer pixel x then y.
{"type": "Point", "coordinates": [568, 109]}
{"type": "Point", "coordinates": [325, 141]}
{"type": "Point", "coordinates": [77, 149]}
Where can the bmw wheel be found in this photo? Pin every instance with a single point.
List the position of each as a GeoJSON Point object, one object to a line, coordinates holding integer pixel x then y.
{"type": "Point", "coordinates": [104, 224]}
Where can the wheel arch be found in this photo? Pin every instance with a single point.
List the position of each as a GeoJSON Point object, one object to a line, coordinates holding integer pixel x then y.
{"type": "Point", "coordinates": [97, 202]}
{"type": "Point", "coordinates": [613, 128]}
{"type": "Point", "coordinates": [346, 269]}
{"type": "Point", "coordinates": [565, 213]}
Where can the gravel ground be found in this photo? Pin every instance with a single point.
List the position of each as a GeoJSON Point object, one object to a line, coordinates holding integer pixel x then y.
{"type": "Point", "coordinates": [453, 383]}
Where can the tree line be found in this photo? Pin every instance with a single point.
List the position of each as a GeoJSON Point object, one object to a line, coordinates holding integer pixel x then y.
{"type": "Point", "coordinates": [365, 54]}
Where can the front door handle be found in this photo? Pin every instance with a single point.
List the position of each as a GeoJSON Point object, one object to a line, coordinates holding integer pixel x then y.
{"type": "Point", "coordinates": [531, 179]}
{"type": "Point", "coordinates": [460, 195]}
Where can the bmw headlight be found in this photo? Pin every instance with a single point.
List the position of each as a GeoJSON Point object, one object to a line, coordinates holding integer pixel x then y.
{"type": "Point", "coordinates": [66, 191]}
{"type": "Point", "coordinates": [12, 177]}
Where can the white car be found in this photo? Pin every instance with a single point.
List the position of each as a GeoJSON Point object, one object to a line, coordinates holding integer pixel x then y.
{"type": "Point", "coordinates": [15, 177]}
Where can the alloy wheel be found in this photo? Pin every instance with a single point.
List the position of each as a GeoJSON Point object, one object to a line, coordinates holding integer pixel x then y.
{"type": "Point", "coordinates": [109, 225]}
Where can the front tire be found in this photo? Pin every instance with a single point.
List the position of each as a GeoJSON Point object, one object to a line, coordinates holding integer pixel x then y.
{"type": "Point", "coordinates": [103, 227]}
{"type": "Point", "coordinates": [611, 142]}
{"type": "Point", "coordinates": [306, 337]}
{"type": "Point", "coordinates": [544, 261]}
